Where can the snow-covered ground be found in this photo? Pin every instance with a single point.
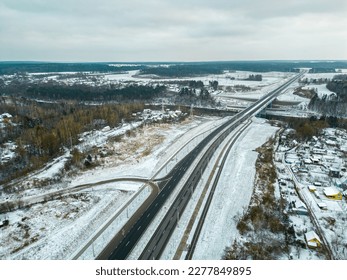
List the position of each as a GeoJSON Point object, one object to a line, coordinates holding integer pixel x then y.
{"type": "Point", "coordinates": [53, 230]}
{"type": "Point", "coordinates": [317, 76]}
{"type": "Point", "coordinates": [321, 90]}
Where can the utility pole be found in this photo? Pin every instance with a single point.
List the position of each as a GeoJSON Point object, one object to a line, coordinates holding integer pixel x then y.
{"type": "Point", "coordinates": [178, 217]}
{"type": "Point", "coordinates": [93, 249]}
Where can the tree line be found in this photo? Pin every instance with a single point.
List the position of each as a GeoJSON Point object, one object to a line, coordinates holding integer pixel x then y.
{"type": "Point", "coordinates": [82, 92]}
{"type": "Point", "coordinates": [256, 77]}
{"type": "Point", "coordinates": [7, 68]}
{"type": "Point", "coordinates": [196, 93]}
{"type": "Point", "coordinates": [41, 131]}
{"type": "Point", "coordinates": [335, 104]}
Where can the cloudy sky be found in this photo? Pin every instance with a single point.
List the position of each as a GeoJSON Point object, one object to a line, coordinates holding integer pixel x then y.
{"type": "Point", "coordinates": [172, 30]}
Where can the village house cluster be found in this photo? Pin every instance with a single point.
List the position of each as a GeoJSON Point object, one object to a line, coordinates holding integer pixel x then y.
{"type": "Point", "coordinates": [313, 181]}
{"type": "Point", "coordinates": [320, 164]}
{"type": "Point", "coordinates": [149, 115]}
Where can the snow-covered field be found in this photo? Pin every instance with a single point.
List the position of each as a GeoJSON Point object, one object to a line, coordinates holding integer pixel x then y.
{"type": "Point", "coordinates": [321, 90]}
{"type": "Point", "coordinates": [53, 230]}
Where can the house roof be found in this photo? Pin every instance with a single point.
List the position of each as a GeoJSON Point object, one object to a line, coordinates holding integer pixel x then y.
{"type": "Point", "coordinates": [330, 142]}
{"type": "Point", "coordinates": [5, 115]}
{"type": "Point", "coordinates": [330, 191]}
{"type": "Point", "coordinates": [311, 235]}
{"type": "Point", "coordinates": [300, 205]}
{"type": "Point", "coordinates": [322, 204]}
{"type": "Point", "coordinates": [334, 169]}
{"type": "Point", "coordinates": [312, 244]}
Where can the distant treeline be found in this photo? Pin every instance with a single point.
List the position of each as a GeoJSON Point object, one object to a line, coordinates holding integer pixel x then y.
{"type": "Point", "coordinates": [197, 69]}
{"type": "Point", "coordinates": [184, 70]}
{"type": "Point", "coordinates": [255, 78]}
{"type": "Point", "coordinates": [335, 104]}
{"type": "Point", "coordinates": [92, 93]}
{"type": "Point", "coordinates": [7, 68]}
{"type": "Point", "coordinates": [339, 85]}
{"type": "Point", "coordinates": [174, 69]}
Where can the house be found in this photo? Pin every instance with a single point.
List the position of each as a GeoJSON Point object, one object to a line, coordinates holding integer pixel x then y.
{"type": "Point", "coordinates": [343, 148]}
{"type": "Point", "coordinates": [147, 111]}
{"type": "Point", "coordinates": [178, 112]}
{"type": "Point", "coordinates": [333, 193]}
{"type": "Point", "coordinates": [330, 143]}
{"type": "Point", "coordinates": [334, 172]}
{"type": "Point", "coordinates": [306, 147]}
{"type": "Point", "coordinates": [303, 170]}
{"type": "Point", "coordinates": [329, 158]}
{"type": "Point", "coordinates": [317, 184]}
{"type": "Point", "coordinates": [5, 116]}
{"type": "Point", "coordinates": [282, 182]}
{"type": "Point", "coordinates": [312, 239]}
{"type": "Point", "coordinates": [300, 208]}
{"type": "Point", "coordinates": [322, 205]}
{"type": "Point", "coordinates": [342, 183]}
{"type": "Point", "coordinates": [315, 160]}
{"type": "Point", "coordinates": [106, 129]}
{"type": "Point", "coordinates": [319, 151]}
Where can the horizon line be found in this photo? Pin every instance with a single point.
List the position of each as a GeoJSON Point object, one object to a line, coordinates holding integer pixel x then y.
{"type": "Point", "coordinates": [173, 62]}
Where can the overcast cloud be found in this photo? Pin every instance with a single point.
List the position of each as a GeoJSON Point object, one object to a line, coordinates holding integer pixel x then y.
{"type": "Point", "coordinates": [172, 30]}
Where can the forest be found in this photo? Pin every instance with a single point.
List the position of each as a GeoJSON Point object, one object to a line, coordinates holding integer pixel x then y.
{"type": "Point", "coordinates": [10, 68]}
{"type": "Point", "coordinates": [53, 90]}
{"type": "Point", "coordinates": [93, 93]}
{"type": "Point", "coordinates": [333, 105]}
{"type": "Point", "coordinates": [173, 69]}
{"type": "Point", "coordinates": [41, 131]}
{"type": "Point", "coordinates": [210, 68]}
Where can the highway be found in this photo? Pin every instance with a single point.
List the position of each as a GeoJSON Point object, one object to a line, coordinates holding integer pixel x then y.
{"type": "Point", "coordinates": [209, 144]}
{"type": "Point", "coordinates": [220, 162]}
